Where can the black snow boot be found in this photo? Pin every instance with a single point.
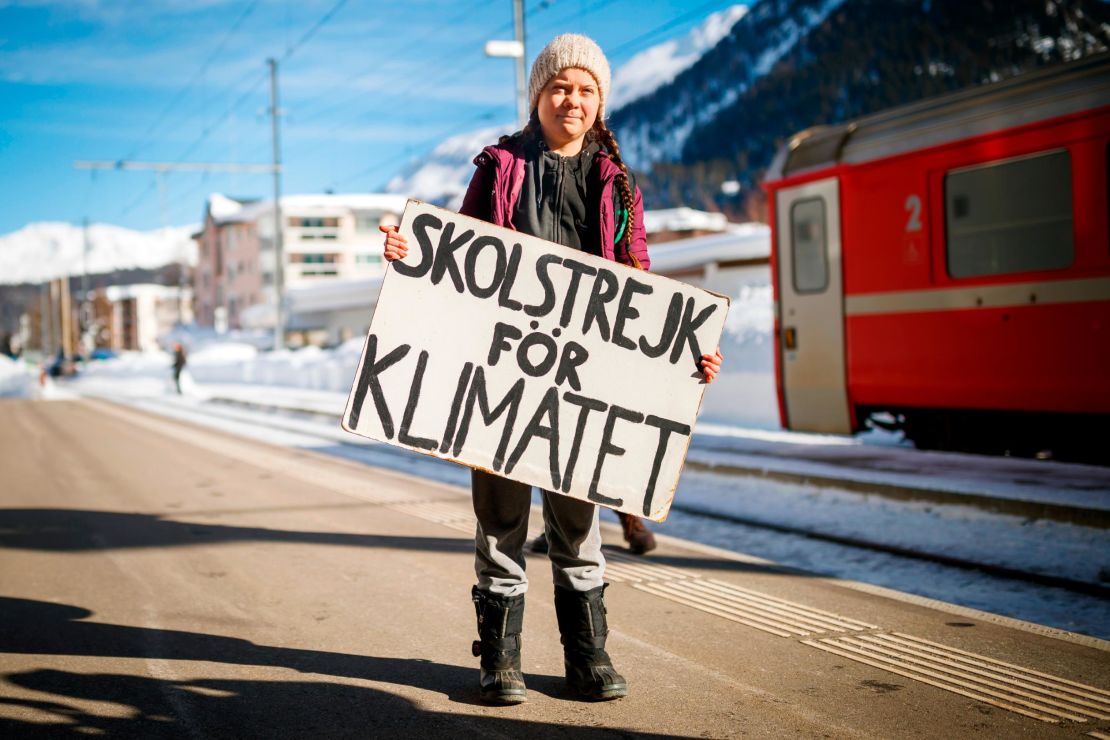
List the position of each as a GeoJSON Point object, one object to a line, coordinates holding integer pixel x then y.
{"type": "Point", "coordinates": [500, 621]}
{"type": "Point", "coordinates": [590, 672]}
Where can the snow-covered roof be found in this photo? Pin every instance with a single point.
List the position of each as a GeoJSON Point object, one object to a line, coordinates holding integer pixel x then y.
{"type": "Point", "coordinates": [740, 242]}
{"type": "Point", "coordinates": [330, 295]}
{"type": "Point", "coordinates": [334, 294]}
{"type": "Point", "coordinates": [222, 207]}
{"type": "Point", "coordinates": [683, 219]}
{"type": "Point", "coordinates": [314, 204]}
{"type": "Point", "coordinates": [121, 292]}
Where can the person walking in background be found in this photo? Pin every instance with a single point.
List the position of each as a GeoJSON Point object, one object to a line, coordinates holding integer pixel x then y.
{"type": "Point", "coordinates": [562, 179]}
{"type": "Point", "coordinates": [178, 365]}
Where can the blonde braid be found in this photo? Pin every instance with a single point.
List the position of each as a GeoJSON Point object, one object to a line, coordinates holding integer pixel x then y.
{"type": "Point", "coordinates": [623, 183]}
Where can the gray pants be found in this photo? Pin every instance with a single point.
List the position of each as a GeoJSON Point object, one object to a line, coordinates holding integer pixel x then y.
{"type": "Point", "coordinates": [573, 535]}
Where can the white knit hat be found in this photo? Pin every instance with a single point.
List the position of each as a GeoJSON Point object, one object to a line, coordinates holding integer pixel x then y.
{"type": "Point", "coordinates": [569, 50]}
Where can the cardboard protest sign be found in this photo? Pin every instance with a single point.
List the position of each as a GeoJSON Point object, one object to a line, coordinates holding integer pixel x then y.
{"type": "Point", "coordinates": [540, 363]}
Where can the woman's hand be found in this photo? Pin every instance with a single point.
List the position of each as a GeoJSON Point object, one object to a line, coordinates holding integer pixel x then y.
{"type": "Point", "coordinates": [396, 246]}
{"type": "Point", "coordinates": [711, 365]}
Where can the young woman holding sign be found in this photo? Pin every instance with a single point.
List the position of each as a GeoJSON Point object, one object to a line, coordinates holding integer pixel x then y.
{"type": "Point", "coordinates": [560, 179]}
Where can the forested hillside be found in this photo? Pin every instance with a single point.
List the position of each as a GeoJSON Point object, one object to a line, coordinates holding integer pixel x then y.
{"type": "Point", "coordinates": [791, 64]}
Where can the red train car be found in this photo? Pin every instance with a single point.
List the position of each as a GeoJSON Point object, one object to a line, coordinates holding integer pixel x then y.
{"type": "Point", "coordinates": [944, 268]}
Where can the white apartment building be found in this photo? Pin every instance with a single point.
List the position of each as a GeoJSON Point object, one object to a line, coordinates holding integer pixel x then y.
{"type": "Point", "coordinates": [324, 237]}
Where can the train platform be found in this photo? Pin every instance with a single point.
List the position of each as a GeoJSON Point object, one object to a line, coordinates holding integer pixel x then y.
{"type": "Point", "coordinates": [1035, 489]}
{"type": "Point", "coordinates": [165, 580]}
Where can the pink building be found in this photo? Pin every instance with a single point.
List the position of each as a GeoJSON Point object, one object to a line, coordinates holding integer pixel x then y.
{"type": "Point", "coordinates": [228, 277]}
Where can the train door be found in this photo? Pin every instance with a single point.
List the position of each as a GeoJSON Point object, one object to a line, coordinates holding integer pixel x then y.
{"type": "Point", "coordinates": [811, 302]}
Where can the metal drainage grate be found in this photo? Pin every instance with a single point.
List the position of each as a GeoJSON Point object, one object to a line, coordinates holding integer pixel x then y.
{"type": "Point", "coordinates": [1004, 685]}
{"type": "Point", "coordinates": [751, 608]}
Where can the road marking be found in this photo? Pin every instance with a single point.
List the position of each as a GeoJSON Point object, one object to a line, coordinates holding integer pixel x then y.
{"type": "Point", "coordinates": [1019, 690]}
{"type": "Point", "coordinates": [624, 568]}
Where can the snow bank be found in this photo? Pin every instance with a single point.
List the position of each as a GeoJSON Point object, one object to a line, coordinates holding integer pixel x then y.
{"type": "Point", "coordinates": [743, 394]}
{"type": "Point", "coordinates": [16, 378]}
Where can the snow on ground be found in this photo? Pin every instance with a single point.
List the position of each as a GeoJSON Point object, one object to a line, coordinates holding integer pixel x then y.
{"type": "Point", "coordinates": [738, 426]}
{"type": "Point", "coordinates": [959, 531]}
{"type": "Point", "coordinates": [16, 378]}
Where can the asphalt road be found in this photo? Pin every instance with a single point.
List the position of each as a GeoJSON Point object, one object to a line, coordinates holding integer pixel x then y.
{"type": "Point", "coordinates": [162, 580]}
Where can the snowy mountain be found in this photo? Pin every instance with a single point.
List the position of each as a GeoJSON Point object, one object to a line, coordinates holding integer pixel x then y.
{"type": "Point", "coordinates": [788, 65]}
{"type": "Point", "coordinates": [442, 176]}
{"type": "Point", "coordinates": [767, 33]}
{"type": "Point", "coordinates": [46, 250]}
{"type": "Point", "coordinates": [660, 64]}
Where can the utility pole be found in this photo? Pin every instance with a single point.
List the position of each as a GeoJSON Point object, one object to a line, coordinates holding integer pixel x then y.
{"type": "Point", "coordinates": [45, 327]}
{"type": "Point", "coordinates": [84, 311]}
{"type": "Point", "coordinates": [515, 49]}
{"type": "Point", "coordinates": [279, 247]}
{"type": "Point", "coordinates": [521, 80]}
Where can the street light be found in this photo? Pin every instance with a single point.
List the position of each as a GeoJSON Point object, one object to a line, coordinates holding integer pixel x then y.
{"type": "Point", "coordinates": [514, 49]}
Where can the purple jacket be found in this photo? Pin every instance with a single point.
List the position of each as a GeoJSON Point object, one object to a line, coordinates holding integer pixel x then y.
{"type": "Point", "coordinates": [495, 189]}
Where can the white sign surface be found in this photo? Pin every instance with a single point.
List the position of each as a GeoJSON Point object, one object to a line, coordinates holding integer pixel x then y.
{"type": "Point", "coordinates": [540, 363]}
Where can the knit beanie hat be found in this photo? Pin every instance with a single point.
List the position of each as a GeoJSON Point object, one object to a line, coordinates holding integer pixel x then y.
{"type": "Point", "coordinates": [569, 50]}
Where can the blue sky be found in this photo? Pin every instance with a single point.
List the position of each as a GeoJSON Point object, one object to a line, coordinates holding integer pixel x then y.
{"type": "Point", "coordinates": [376, 84]}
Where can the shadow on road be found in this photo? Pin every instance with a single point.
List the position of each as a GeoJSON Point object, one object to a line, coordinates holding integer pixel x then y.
{"type": "Point", "coordinates": [79, 530]}
{"type": "Point", "coordinates": [76, 530]}
{"type": "Point", "coordinates": [235, 707]}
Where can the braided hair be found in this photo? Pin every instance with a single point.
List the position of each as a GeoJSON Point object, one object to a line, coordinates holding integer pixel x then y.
{"type": "Point", "coordinates": [623, 185]}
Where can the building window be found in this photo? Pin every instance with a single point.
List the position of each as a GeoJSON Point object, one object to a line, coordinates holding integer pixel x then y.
{"type": "Point", "coordinates": [368, 259]}
{"type": "Point", "coordinates": [314, 222]}
{"type": "Point", "coordinates": [314, 258]}
{"type": "Point", "coordinates": [367, 220]}
{"type": "Point", "coordinates": [319, 273]}
{"type": "Point", "coordinates": [1010, 216]}
{"type": "Point", "coordinates": [809, 246]}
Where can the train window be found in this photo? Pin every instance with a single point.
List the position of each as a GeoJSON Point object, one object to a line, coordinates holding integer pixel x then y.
{"type": "Point", "coordinates": [1012, 216]}
{"type": "Point", "coordinates": [809, 248]}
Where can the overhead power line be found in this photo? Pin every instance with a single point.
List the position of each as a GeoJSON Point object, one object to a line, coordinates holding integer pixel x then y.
{"type": "Point", "coordinates": [211, 128]}
{"type": "Point", "coordinates": [377, 65]}
{"type": "Point", "coordinates": [144, 139]}
{"type": "Point", "coordinates": [312, 31]}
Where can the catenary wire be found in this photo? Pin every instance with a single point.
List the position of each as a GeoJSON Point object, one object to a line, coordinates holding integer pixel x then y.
{"type": "Point", "coordinates": [145, 138]}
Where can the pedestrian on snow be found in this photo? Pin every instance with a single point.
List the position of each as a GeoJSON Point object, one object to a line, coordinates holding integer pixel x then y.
{"type": "Point", "coordinates": [562, 179]}
{"type": "Point", "coordinates": [178, 365]}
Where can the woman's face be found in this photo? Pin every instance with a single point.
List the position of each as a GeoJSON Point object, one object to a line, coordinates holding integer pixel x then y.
{"type": "Point", "coordinates": [567, 108]}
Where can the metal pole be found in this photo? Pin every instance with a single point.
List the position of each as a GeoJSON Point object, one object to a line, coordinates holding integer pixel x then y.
{"type": "Point", "coordinates": [83, 318]}
{"type": "Point", "coordinates": [44, 320]}
{"type": "Point", "coordinates": [65, 315]}
{"type": "Point", "coordinates": [55, 328]}
{"type": "Point", "coordinates": [522, 60]}
{"type": "Point", "coordinates": [279, 251]}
